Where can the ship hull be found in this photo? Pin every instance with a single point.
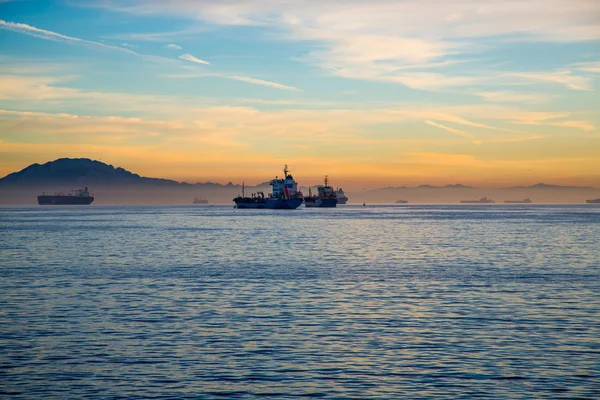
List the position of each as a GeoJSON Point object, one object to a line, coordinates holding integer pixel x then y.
{"type": "Point", "coordinates": [64, 200]}
{"type": "Point", "coordinates": [596, 201]}
{"type": "Point", "coordinates": [251, 205]}
{"type": "Point", "coordinates": [477, 202]}
{"type": "Point", "coordinates": [284, 204]}
{"type": "Point", "coordinates": [517, 202]}
{"type": "Point", "coordinates": [342, 200]}
{"type": "Point", "coordinates": [272, 204]}
{"type": "Point", "coordinates": [250, 202]}
{"type": "Point", "coordinates": [322, 203]}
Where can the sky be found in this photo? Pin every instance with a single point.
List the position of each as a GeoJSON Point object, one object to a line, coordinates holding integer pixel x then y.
{"type": "Point", "coordinates": [373, 93]}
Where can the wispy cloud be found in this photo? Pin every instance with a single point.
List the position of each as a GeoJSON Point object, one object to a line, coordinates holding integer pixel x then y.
{"type": "Point", "coordinates": [377, 39]}
{"type": "Point", "coordinates": [583, 125]}
{"type": "Point", "coordinates": [254, 81]}
{"type": "Point", "coordinates": [173, 47]}
{"type": "Point", "coordinates": [191, 58]}
{"type": "Point", "coordinates": [515, 97]}
{"type": "Point", "coordinates": [261, 82]}
{"type": "Point", "coordinates": [515, 139]}
{"type": "Point", "coordinates": [156, 37]}
{"type": "Point", "coordinates": [589, 66]}
{"type": "Point", "coordinates": [451, 130]}
{"type": "Point", "coordinates": [58, 37]}
{"type": "Point", "coordinates": [564, 77]}
{"type": "Point", "coordinates": [54, 36]}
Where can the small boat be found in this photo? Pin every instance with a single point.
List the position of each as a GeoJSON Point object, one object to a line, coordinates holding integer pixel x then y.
{"type": "Point", "coordinates": [593, 201]}
{"type": "Point", "coordinates": [525, 201]}
{"type": "Point", "coordinates": [199, 201]}
{"type": "Point", "coordinates": [483, 200]}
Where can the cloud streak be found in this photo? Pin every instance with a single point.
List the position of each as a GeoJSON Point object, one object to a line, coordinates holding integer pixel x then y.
{"type": "Point", "coordinates": [57, 37]}
{"type": "Point", "coordinates": [191, 58]}
{"type": "Point", "coordinates": [451, 130]}
{"type": "Point", "coordinates": [173, 47]}
{"type": "Point", "coordinates": [261, 82]}
{"type": "Point", "coordinates": [563, 77]}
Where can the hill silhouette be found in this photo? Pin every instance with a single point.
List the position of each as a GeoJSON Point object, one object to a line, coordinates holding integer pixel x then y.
{"type": "Point", "coordinates": [78, 171]}
{"type": "Point", "coordinates": [115, 185]}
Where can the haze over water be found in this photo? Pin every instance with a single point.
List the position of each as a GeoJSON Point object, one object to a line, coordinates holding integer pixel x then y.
{"type": "Point", "coordinates": [370, 302]}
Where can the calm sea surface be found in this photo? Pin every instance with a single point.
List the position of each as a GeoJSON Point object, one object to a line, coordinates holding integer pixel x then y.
{"type": "Point", "coordinates": [485, 301]}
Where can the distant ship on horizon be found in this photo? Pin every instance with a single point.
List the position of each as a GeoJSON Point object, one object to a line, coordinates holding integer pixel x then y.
{"type": "Point", "coordinates": [525, 201]}
{"type": "Point", "coordinates": [325, 197]}
{"type": "Point", "coordinates": [285, 195]}
{"type": "Point", "coordinates": [483, 200]}
{"type": "Point", "coordinates": [199, 201]}
{"type": "Point", "coordinates": [401, 201]}
{"type": "Point", "coordinates": [593, 201]}
{"type": "Point", "coordinates": [341, 196]}
{"type": "Point", "coordinates": [77, 197]}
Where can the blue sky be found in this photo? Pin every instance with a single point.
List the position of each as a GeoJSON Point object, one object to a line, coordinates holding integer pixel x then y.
{"type": "Point", "coordinates": [380, 91]}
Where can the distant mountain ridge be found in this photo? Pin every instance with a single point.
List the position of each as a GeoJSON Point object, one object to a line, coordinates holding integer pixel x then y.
{"type": "Point", "coordinates": [78, 170]}
{"type": "Point", "coordinates": [91, 172]}
{"type": "Point", "coordinates": [545, 186]}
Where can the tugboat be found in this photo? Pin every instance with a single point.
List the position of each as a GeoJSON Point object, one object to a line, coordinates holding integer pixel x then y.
{"type": "Point", "coordinates": [199, 201]}
{"type": "Point", "coordinates": [593, 201]}
{"type": "Point", "coordinates": [326, 196]}
{"type": "Point", "coordinates": [341, 197]}
{"type": "Point", "coordinates": [285, 195]}
{"type": "Point", "coordinates": [483, 200]}
{"type": "Point", "coordinates": [76, 197]}
{"type": "Point", "coordinates": [526, 201]}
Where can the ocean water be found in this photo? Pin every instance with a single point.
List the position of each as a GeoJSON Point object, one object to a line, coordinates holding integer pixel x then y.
{"type": "Point", "coordinates": [205, 302]}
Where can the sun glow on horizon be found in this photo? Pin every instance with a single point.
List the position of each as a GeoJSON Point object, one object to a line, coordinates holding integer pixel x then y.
{"type": "Point", "coordinates": [362, 92]}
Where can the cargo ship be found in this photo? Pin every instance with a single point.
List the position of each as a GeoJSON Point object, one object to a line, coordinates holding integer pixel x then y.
{"type": "Point", "coordinates": [401, 201]}
{"type": "Point", "coordinates": [76, 197]}
{"type": "Point", "coordinates": [285, 195]}
{"type": "Point", "coordinates": [326, 196]}
{"type": "Point", "coordinates": [593, 201]}
{"type": "Point", "coordinates": [341, 197]}
{"type": "Point", "coordinates": [525, 201]}
{"type": "Point", "coordinates": [199, 201]}
{"type": "Point", "coordinates": [483, 200]}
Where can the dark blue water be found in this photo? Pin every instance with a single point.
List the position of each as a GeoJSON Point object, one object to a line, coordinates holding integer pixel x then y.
{"type": "Point", "coordinates": [355, 302]}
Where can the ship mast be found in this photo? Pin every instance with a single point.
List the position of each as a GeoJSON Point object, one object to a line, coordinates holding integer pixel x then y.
{"type": "Point", "coordinates": [285, 171]}
{"type": "Point", "coordinates": [243, 189]}
{"type": "Point", "coordinates": [326, 180]}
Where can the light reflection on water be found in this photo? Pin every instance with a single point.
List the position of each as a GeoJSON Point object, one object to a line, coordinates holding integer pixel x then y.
{"type": "Point", "coordinates": [202, 302]}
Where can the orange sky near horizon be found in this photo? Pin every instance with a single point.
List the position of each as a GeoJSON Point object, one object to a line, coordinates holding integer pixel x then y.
{"type": "Point", "coordinates": [372, 93]}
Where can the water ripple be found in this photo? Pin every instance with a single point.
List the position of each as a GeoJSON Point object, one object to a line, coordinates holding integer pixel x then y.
{"type": "Point", "coordinates": [357, 302]}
